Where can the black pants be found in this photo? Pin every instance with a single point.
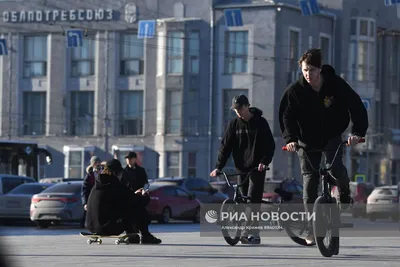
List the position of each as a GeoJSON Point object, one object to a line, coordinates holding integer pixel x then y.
{"type": "Point", "coordinates": [253, 188]}
{"type": "Point", "coordinates": [311, 177]}
{"type": "Point", "coordinates": [140, 217]}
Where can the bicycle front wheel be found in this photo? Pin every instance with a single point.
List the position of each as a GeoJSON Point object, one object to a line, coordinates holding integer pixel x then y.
{"type": "Point", "coordinates": [325, 224]}
{"type": "Point", "coordinates": [230, 228]}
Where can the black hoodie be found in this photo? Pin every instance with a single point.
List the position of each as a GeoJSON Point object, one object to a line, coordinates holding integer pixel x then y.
{"type": "Point", "coordinates": [250, 142]}
{"type": "Point", "coordinates": [108, 202]}
{"type": "Point", "coordinates": [316, 117]}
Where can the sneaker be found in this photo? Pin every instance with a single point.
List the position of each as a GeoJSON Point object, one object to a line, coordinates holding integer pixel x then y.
{"type": "Point", "coordinates": [310, 240]}
{"type": "Point", "coordinates": [150, 239]}
{"type": "Point", "coordinates": [244, 240]}
{"type": "Point", "coordinates": [254, 240]}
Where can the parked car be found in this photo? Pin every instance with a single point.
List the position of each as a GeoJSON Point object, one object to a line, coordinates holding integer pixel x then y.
{"type": "Point", "coordinates": [383, 202]}
{"type": "Point", "coordinates": [16, 203]}
{"type": "Point", "coordinates": [58, 180]}
{"type": "Point", "coordinates": [289, 185]}
{"type": "Point", "coordinates": [8, 182]}
{"type": "Point", "coordinates": [359, 192]}
{"type": "Point", "coordinates": [58, 203]}
{"type": "Point", "coordinates": [202, 190]}
{"type": "Point", "coordinates": [168, 201]}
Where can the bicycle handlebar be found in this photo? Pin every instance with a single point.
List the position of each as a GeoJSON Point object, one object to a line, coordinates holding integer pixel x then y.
{"type": "Point", "coordinates": [284, 148]}
{"type": "Point", "coordinates": [236, 174]}
{"type": "Point", "coordinates": [329, 167]}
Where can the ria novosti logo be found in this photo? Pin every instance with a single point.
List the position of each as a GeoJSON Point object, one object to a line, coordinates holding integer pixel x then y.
{"type": "Point", "coordinates": [211, 216]}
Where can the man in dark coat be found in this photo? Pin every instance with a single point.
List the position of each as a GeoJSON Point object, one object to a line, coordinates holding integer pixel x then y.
{"type": "Point", "coordinates": [134, 176]}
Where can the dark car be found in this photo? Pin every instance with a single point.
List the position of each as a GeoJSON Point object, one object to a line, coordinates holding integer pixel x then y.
{"type": "Point", "coordinates": [172, 202]}
{"type": "Point", "coordinates": [289, 185]}
{"type": "Point", "coordinates": [201, 189]}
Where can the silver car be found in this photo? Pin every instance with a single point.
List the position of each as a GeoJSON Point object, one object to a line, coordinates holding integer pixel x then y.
{"type": "Point", "coordinates": [16, 203]}
{"type": "Point", "coordinates": [383, 202]}
{"type": "Point", "coordinates": [59, 203]}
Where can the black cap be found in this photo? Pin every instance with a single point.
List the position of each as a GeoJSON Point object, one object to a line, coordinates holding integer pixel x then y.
{"type": "Point", "coordinates": [130, 155]}
{"type": "Point", "coordinates": [114, 165]}
{"type": "Point", "coordinates": [239, 101]}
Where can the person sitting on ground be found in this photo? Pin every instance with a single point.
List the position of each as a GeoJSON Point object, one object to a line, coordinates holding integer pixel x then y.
{"type": "Point", "coordinates": [108, 208]}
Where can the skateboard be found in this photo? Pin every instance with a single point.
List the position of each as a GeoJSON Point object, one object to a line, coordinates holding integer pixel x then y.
{"type": "Point", "coordinates": [94, 238]}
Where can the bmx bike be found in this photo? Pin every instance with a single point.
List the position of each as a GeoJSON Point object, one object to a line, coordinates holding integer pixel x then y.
{"type": "Point", "coordinates": [237, 205]}
{"type": "Point", "coordinates": [326, 209]}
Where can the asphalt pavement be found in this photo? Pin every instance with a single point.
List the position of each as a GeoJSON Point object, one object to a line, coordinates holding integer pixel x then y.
{"type": "Point", "coordinates": [183, 246]}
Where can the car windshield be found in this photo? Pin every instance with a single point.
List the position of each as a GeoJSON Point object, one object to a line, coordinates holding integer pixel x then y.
{"type": "Point", "coordinates": [29, 189]}
{"type": "Point", "coordinates": [64, 188]}
{"type": "Point", "coordinates": [387, 192]}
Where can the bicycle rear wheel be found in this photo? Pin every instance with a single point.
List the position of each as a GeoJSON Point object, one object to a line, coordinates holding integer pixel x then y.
{"type": "Point", "coordinates": [325, 224]}
{"type": "Point", "coordinates": [230, 229]}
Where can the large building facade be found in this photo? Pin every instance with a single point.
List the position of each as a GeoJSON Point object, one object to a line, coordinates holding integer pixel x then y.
{"type": "Point", "coordinates": [168, 97]}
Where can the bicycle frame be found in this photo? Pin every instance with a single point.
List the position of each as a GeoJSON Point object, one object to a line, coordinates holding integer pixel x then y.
{"type": "Point", "coordinates": [238, 197]}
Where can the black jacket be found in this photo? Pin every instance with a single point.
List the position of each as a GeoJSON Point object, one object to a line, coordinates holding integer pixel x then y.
{"type": "Point", "coordinates": [250, 142]}
{"type": "Point", "coordinates": [316, 117]}
{"type": "Point", "coordinates": [109, 202]}
{"type": "Point", "coordinates": [134, 178]}
{"type": "Point", "coordinates": [87, 185]}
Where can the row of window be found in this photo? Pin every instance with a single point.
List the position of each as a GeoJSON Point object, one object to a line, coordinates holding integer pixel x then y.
{"type": "Point", "coordinates": [77, 161]}
{"type": "Point", "coordinates": [131, 55]}
{"type": "Point", "coordinates": [130, 113]}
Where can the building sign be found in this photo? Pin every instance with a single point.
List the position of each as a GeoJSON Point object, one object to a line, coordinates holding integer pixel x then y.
{"type": "Point", "coordinates": [58, 15]}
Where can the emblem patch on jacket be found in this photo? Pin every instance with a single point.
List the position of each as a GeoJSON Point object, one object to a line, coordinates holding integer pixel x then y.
{"type": "Point", "coordinates": [328, 101]}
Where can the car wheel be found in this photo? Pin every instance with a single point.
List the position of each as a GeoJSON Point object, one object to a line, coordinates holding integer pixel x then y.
{"type": "Point", "coordinates": [372, 218]}
{"type": "Point", "coordinates": [43, 224]}
{"type": "Point", "coordinates": [196, 218]}
{"type": "Point", "coordinates": [165, 215]}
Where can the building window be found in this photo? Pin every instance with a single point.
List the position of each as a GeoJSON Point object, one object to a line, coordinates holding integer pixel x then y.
{"type": "Point", "coordinates": [82, 110]}
{"type": "Point", "coordinates": [175, 52]}
{"type": "Point", "coordinates": [394, 123]}
{"type": "Point", "coordinates": [194, 52]}
{"type": "Point", "coordinates": [35, 56]}
{"type": "Point", "coordinates": [132, 55]}
{"type": "Point", "coordinates": [192, 108]}
{"type": "Point", "coordinates": [34, 113]}
{"type": "Point", "coordinates": [394, 61]}
{"type": "Point", "coordinates": [173, 161]}
{"type": "Point", "coordinates": [362, 50]}
{"type": "Point", "coordinates": [229, 114]}
{"type": "Point", "coordinates": [325, 45]}
{"type": "Point", "coordinates": [294, 50]}
{"type": "Point", "coordinates": [82, 58]}
{"type": "Point", "coordinates": [192, 164]}
{"type": "Point", "coordinates": [77, 158]}
{"type": "Point", "coordinates": [173, 112]}
{"type": "Point", "coordinates": [131, 113]}
{"type": "Point", "coordinates": [236, 47]}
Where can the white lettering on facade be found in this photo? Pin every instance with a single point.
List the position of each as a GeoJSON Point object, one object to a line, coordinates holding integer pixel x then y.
{"type": "Point", "coordinates": [64, 15]}
{"type": "Point", "coordinates": [58, 15]}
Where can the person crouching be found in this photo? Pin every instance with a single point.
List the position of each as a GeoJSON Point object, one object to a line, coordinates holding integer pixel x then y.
{"type": "Point", "coordinates": [107, 209]}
